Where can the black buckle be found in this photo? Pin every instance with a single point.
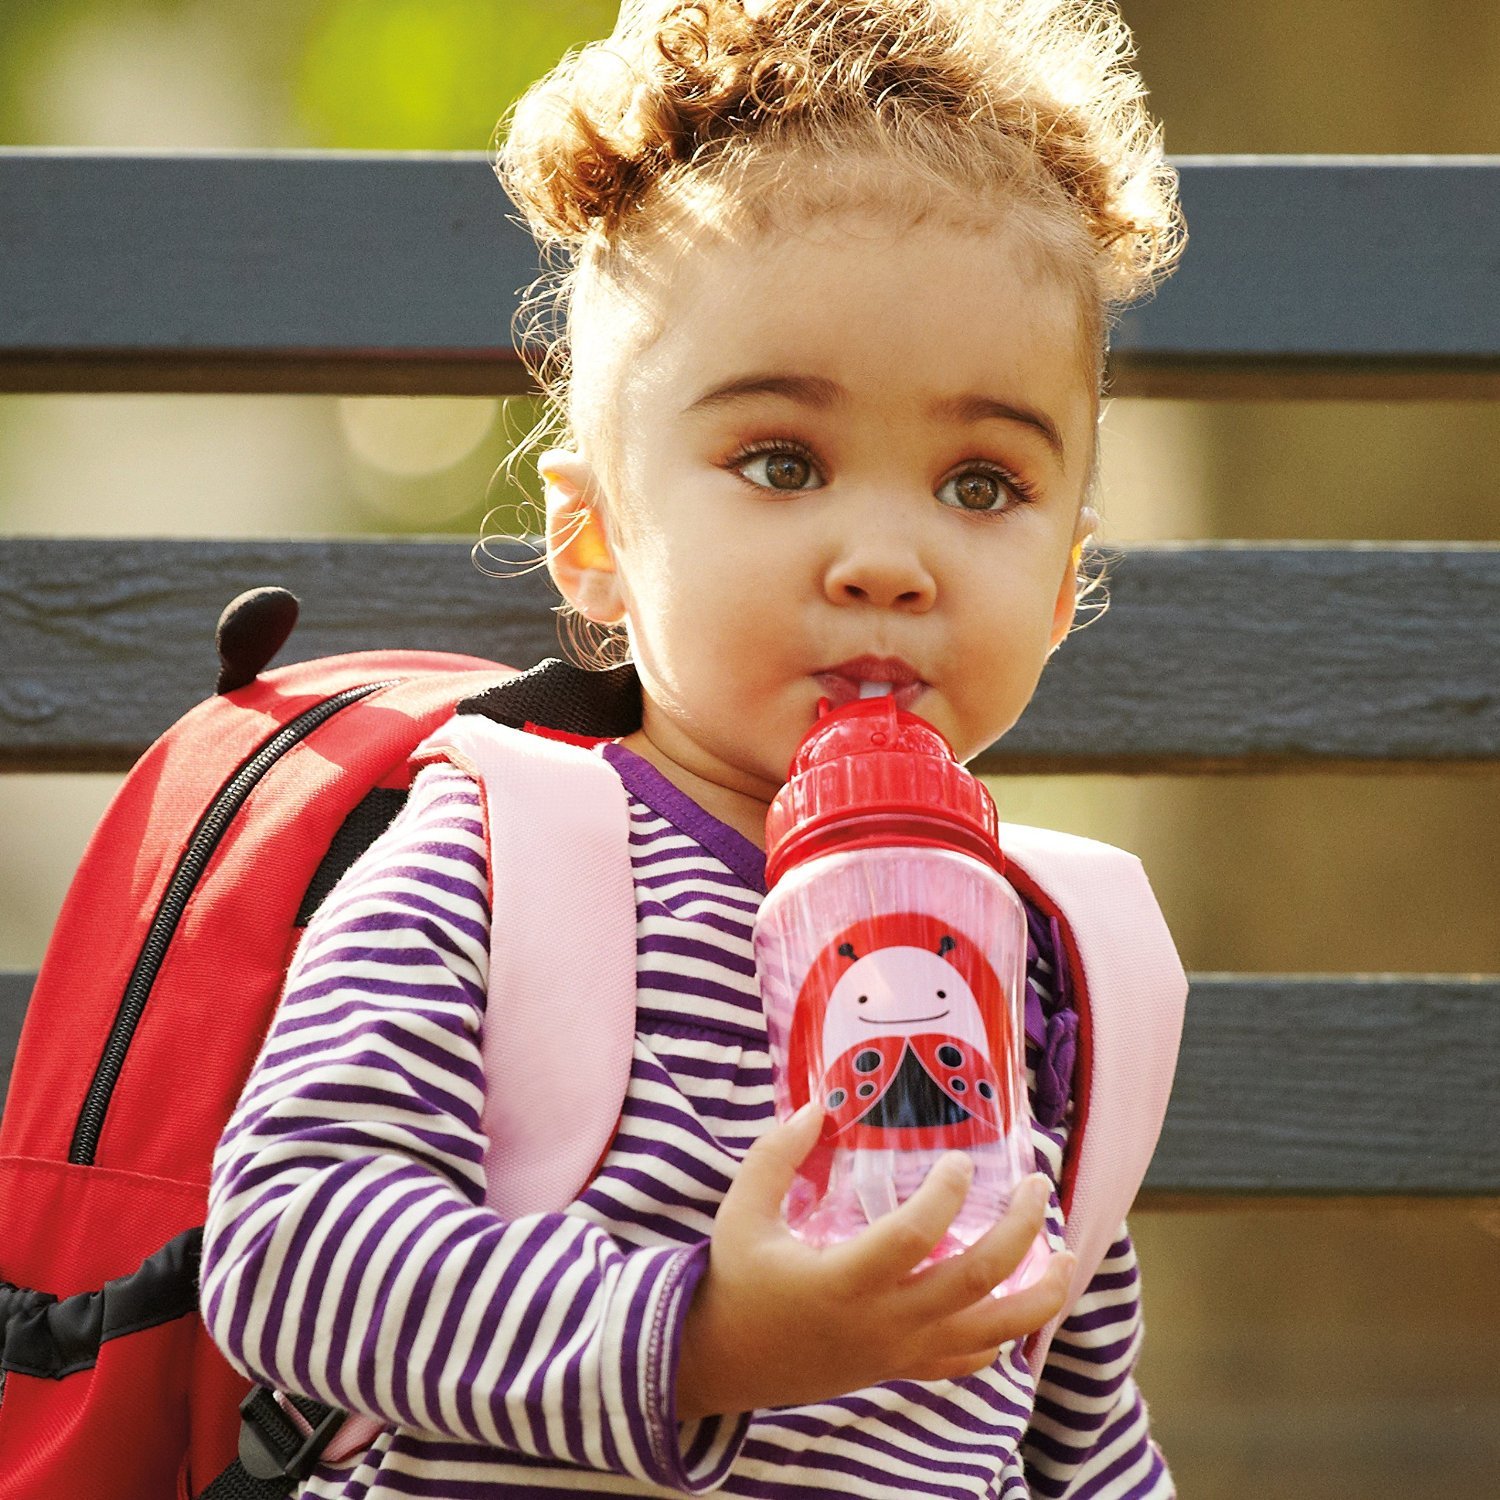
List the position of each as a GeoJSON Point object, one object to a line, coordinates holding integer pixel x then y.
{"type": "Point", "coordinates": [272, 1446]}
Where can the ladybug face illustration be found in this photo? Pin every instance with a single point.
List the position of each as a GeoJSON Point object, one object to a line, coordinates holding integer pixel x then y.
{"type": "Point", "coordinates": [897, 1025]}
{"type": "Point", "coordinates": [900, 991]}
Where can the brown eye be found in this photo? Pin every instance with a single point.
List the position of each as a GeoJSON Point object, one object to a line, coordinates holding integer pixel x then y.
{"type": "Point", "coordinates": [986, 491]}
{"type": "Point", "coordinates": [787, 471]}
{"type": "Point", "coordinates": [975, 491]}
{"type": "Point", "coordinates": [784, 469]}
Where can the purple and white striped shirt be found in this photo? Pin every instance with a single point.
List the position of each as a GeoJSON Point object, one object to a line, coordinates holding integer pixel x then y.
{"type": "Point", "coordinates": [348, 1254]}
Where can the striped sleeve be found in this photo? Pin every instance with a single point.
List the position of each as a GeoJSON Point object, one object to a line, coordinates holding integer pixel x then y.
{"type": "Point", "coordinates": [348, 1254]}
{"type": "Point", "coordinates": [1089, 1438]}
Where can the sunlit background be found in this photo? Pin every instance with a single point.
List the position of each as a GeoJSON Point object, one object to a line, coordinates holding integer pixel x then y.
{"type": "Point", "coordinates": [1331, 1352]}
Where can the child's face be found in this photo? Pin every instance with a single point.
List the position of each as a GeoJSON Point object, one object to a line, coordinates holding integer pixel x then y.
{"type": "Point", "coordinates": [905, 482]}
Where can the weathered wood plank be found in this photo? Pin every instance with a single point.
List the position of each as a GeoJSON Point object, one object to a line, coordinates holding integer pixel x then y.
{"type": "Point", "coordinates": [293, 271]}
{"type": "Point", "coordinates": [1292, 1087]}
{"type": "Point", "coordinates": [15, 991]}
{"type": "Point", "coordinates": [1211, 657]}
{"type": "Point", "coordinates": [1301, 278]}
{"type": "Point", "coordinates": [400, 272]}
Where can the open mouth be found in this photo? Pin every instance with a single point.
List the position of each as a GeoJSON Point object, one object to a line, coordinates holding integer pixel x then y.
{"type": "Point", "coordinates": [871, 676]}
{"type": "Point", "coordinates": [840, 690]}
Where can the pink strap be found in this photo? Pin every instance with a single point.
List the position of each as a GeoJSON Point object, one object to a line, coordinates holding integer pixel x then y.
{"type": "Point", "coordinates": [1131, 1000]}
{"type": "Point", "coordinates": [559, 1027]}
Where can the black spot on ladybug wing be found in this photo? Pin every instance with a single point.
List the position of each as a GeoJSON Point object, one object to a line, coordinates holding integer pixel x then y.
{"type": "Point", "coordinates": [913, 1099]}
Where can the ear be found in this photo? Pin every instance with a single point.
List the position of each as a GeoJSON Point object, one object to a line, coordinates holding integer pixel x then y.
{"type": "Point", "coordinates": [1066, 604]}
{"type": "Point", "coordinates": [580, 556]}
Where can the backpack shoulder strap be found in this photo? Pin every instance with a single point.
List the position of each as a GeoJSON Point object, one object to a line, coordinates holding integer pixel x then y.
{"type": "Point", "coordinates": [559, 1022]}
{"type": "Point", "coordinates": [559, 1025]}
{"type": "Point", "coordinates": [1131, 992]}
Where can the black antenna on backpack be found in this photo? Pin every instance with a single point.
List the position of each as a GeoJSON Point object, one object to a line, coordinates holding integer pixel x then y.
{"type": "Point", "coordinates": [252, 629]}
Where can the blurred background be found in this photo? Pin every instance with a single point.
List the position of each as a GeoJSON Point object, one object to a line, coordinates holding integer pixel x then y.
{"type": "Point", "coordinates": [1336, 1351]}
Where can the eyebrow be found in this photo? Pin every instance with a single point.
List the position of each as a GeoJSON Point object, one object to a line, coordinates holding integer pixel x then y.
{"type": "Point", "coordinates": [821, 394]}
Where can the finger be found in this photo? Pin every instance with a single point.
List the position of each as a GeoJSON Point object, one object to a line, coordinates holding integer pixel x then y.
{"type": "Point", "coordinates": [957, 1367]}
{"type": "Point", "coordinates": [974, 1273]}
{"type": "Point", "coordinates": [769, 1165]}
{"type": "Point", "coordinates": [998, 1320]}
{"type": "Point", "coordinates": [885, 1252]}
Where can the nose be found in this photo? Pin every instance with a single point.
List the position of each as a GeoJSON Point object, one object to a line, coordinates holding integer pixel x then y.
{"type": "Point", "coordinates": [882, 569]}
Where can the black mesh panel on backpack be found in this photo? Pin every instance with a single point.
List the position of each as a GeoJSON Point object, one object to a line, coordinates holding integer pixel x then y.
{"type": "Point", "coordinates": [369, 818]}
{"type": "Point", "coordinates": [562, 696]}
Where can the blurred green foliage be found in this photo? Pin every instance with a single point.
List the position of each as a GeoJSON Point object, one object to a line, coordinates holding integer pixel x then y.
{"type": "Point", "coordinates": [429, 74]}
{"type": "Point", "coordinates": [432, 75]}
{"type": "Point", "coordinates": [29, 30]}
{"type": "Point", "coordinates": [491, 491]}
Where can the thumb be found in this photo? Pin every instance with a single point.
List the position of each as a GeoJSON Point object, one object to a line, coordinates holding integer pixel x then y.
{"type": "Point", "coordinates": [769, 1165]}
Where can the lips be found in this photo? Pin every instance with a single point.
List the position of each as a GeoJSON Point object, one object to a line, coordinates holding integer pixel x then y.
{"type": "Point", "coordinates": [841, 684]}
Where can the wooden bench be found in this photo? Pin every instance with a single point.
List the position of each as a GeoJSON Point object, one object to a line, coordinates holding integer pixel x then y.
{"type": "Point", "coordinates": [370, 273]}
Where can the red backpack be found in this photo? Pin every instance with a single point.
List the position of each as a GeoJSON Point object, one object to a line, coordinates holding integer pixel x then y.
{"type": "Point", "coordinates": [157, 990]}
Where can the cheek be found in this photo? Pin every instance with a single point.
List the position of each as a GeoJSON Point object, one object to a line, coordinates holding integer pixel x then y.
{"type": "Point", "coordinates": [1016, 598]}
{"type": "Point", "coordinates": [1005, 613]}
{"type": "Point", "coordinates": [690, 619]}
{"type": "Point", "coordinates": [997, 669]}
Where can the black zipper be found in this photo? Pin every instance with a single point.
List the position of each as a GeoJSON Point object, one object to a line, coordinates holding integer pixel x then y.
{"type": "Point", "coordinates": [211, 828]}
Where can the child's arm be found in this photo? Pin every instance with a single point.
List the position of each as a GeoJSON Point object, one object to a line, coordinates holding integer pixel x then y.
{"type": "Point", "coordinates": [1089, 1435]}
{"type": "Point", "coordinates": [348, 1254]}
{"type": "Point", "coordinates": [775, 1322]}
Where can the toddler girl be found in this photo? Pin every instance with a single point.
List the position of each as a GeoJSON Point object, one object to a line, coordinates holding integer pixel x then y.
{"type": "Point", "coordinates": [840, 273]}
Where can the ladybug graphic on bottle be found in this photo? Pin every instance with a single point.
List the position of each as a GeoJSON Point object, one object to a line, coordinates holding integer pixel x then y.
{"type": "Point", "coordinates": [890, 1022]}
{"type": "Point", "coordinates": [891, 953]}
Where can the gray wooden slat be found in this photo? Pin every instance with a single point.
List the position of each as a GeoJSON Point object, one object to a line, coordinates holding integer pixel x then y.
{"type": "Point", "coordinates": [365, 271]}
{"type": "Point", "coordinates": [1299, 1085]}
{"type": "Point", "coordinates": [1292, 1086]}
{"type": "Point", "coordinates": [298, 271]}
{"type": "Point", "coordinates": [1211, 657]}
{"type": "Point", "coordinates": [15, 990]}
{"type": "Point", "coordinates": [1319, 276]}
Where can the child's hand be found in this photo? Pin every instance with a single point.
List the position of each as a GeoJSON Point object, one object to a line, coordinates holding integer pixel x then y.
{"type": "Point", "coordinates": [775, 1322]}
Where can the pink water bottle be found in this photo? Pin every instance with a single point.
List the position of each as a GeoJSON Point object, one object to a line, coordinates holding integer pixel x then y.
{"type": "Point", "coordinates": [891, 957]}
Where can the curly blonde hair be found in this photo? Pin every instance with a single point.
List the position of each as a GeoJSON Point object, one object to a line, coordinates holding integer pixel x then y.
{"type": "Point", "coordinates": [724, 113]}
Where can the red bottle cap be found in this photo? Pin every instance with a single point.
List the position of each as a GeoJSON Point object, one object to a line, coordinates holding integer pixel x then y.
{"type": "Point", "coordinates": [868, 774]}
